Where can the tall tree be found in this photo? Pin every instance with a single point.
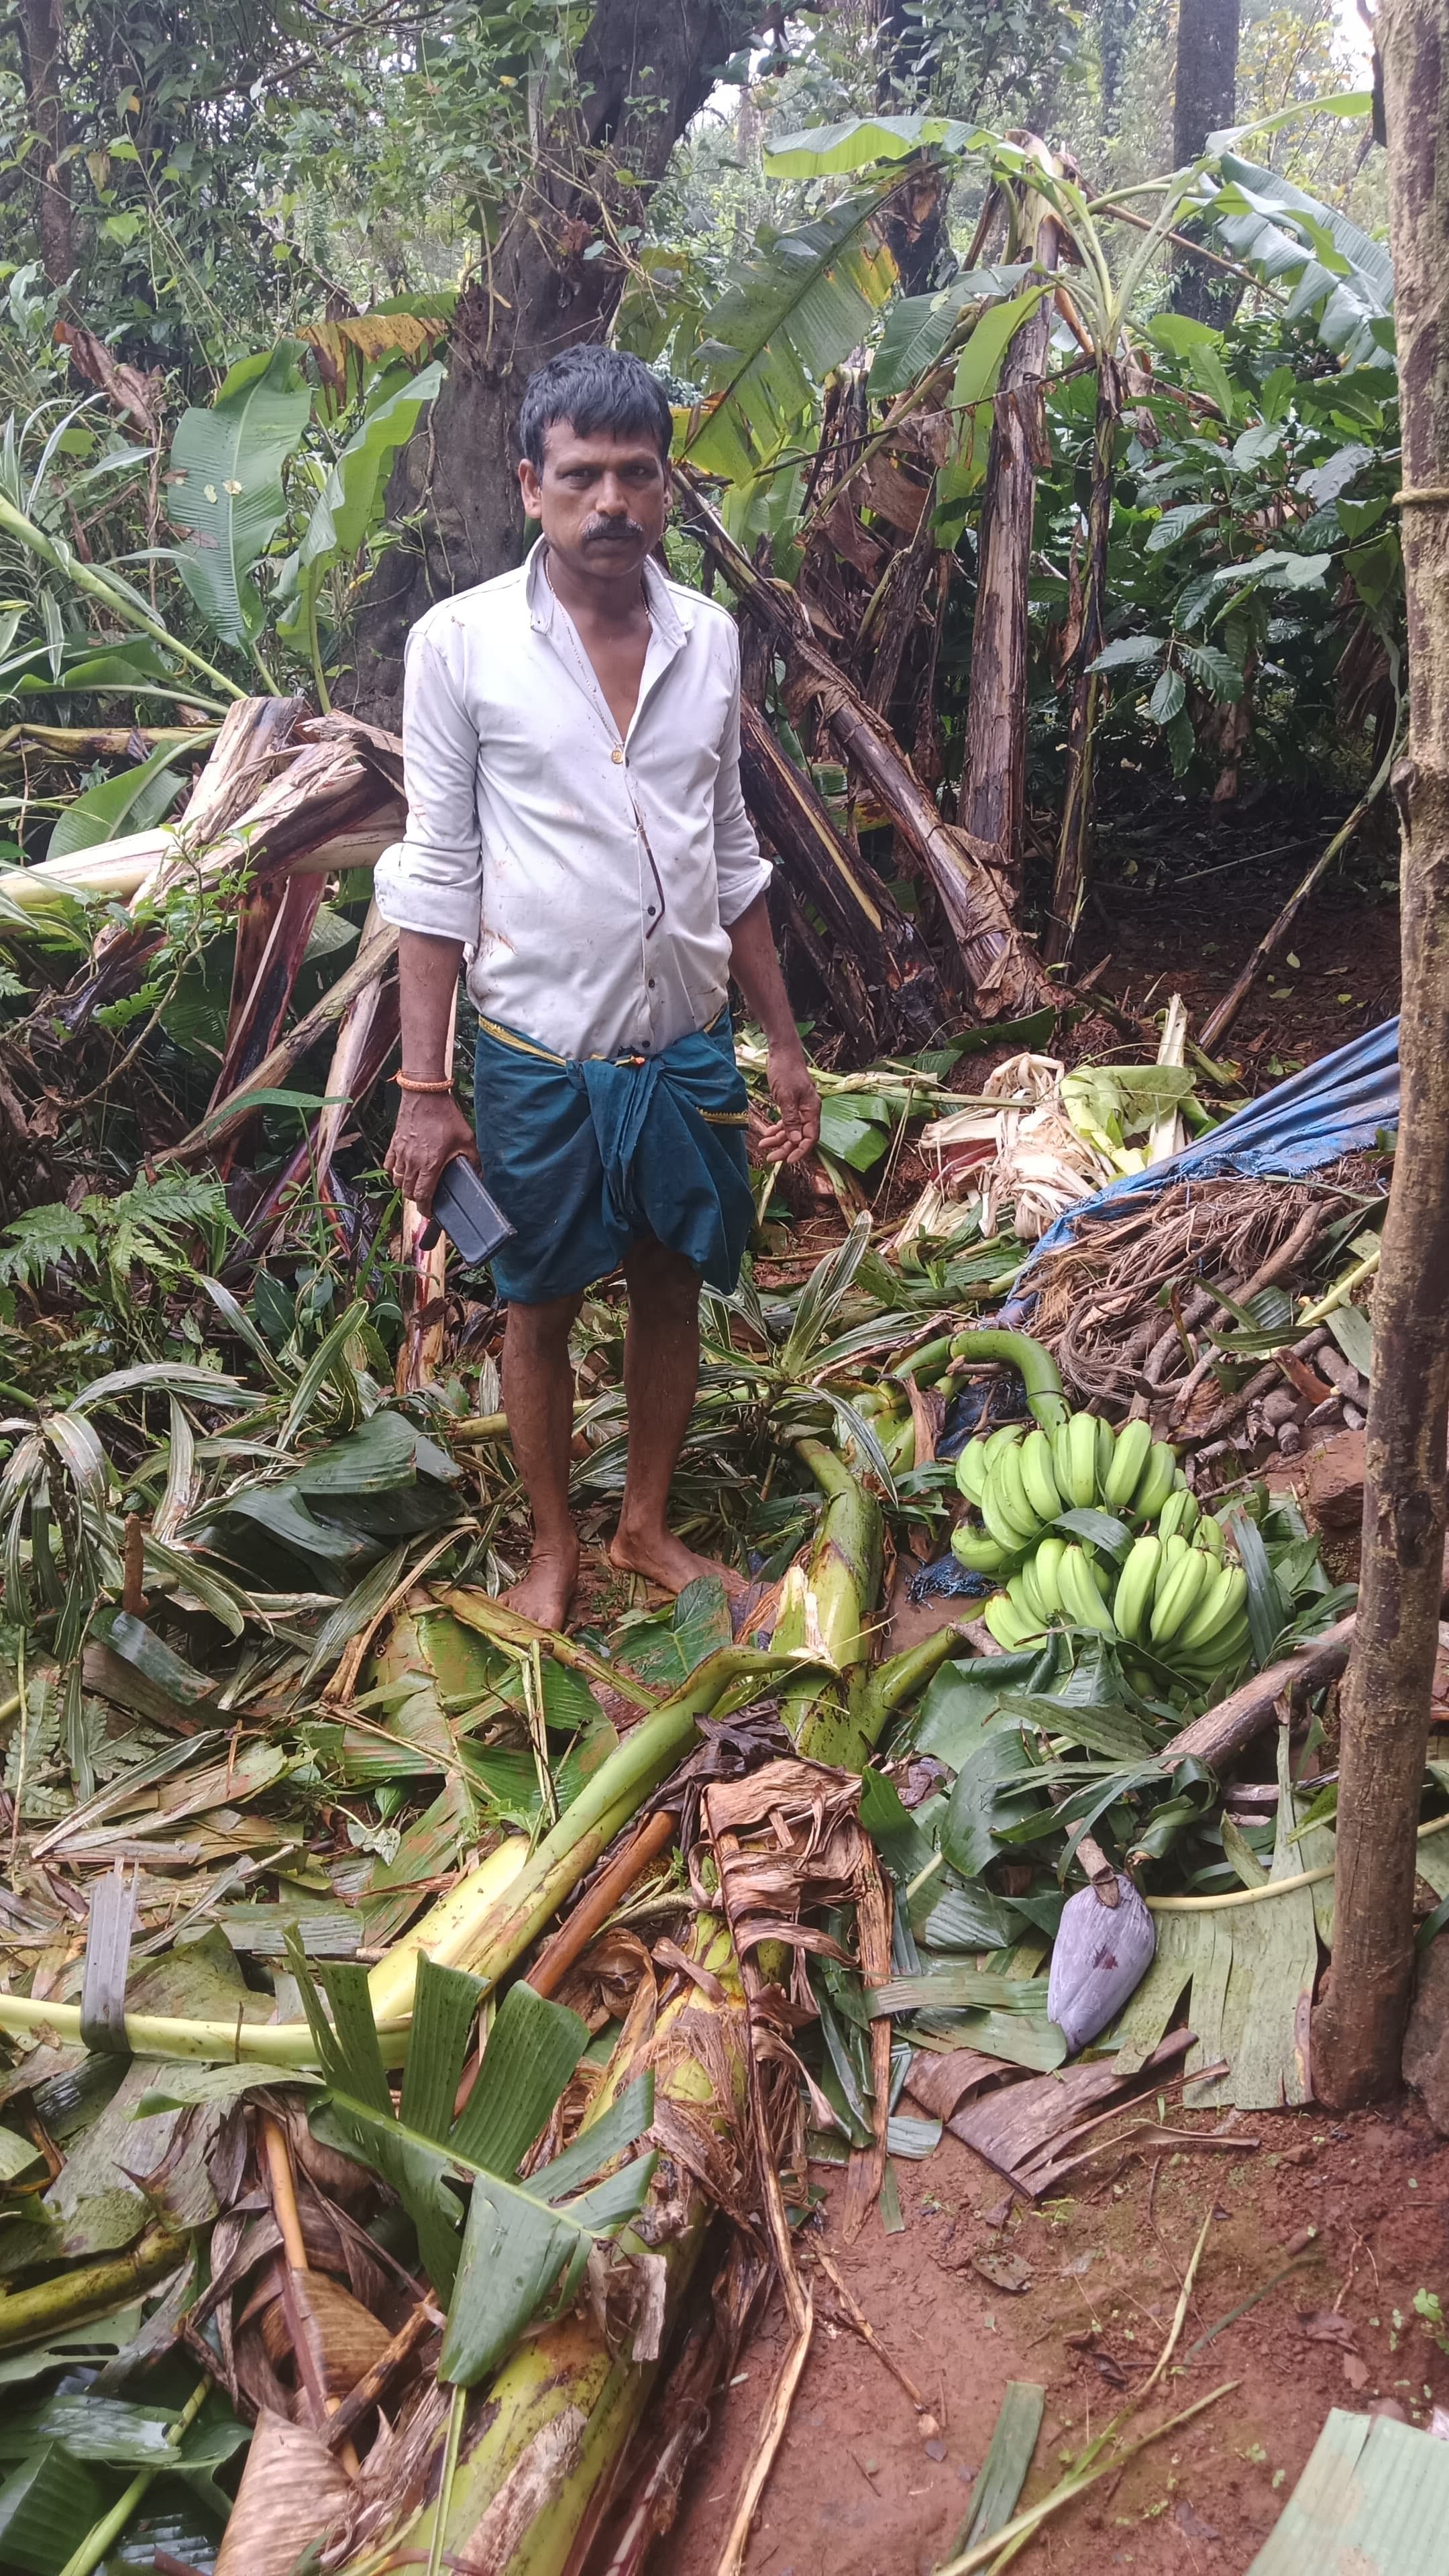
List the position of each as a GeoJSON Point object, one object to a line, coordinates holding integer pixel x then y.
{"type": "Point", "coordinates": [40, 25]}
{"type": "Point", "coordinates": [1204, 99]}
{"type": "Point", "coordinates": [1385, 1717]}
{"type": "Point", "coordinates": [553, 277]}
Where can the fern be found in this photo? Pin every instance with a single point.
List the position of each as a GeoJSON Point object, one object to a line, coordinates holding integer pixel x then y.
{"type": "Point", "coordinates": [44, 1238]}
{"type": "Point", "coordinates": [148, 1226]}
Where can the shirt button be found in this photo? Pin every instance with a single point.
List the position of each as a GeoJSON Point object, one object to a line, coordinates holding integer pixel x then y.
{"type": "Point", "coordinates": [651, 912]}
{"type": "Point", "coordinates": [617, 755]}
{"type": "Point", "coordinates": [651, 983]}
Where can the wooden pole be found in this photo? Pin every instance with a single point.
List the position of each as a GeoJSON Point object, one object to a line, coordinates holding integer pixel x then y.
{"type": "Point", "coordinates": [1358, 2030]}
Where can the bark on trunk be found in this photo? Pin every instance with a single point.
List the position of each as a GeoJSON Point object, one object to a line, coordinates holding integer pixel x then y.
{"type": "Point", "coordinates": [1205, 92]}
{"type": "Point", "coordinates": [1385, 1721]}
{"type": "Point", "coordinates": [904, 1006]}
{"type": "Point", "coordinates": [641, 72]}
{"type": "Point", "coordinates": [1070, 878]}
{"type": "Point", "coordinates": [995, 769]}
{"type": "Point", "coordinates": [1004, 975]}
{"type": "Point", "coordinates": [41, 25]}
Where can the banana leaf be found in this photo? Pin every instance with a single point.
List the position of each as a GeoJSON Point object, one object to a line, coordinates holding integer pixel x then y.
{"type": "Point", "coordinates": [225, 484]}
{"type": "Point", "coordinates": [524, 2240]}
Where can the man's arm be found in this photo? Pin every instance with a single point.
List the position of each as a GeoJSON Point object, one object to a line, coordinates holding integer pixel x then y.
{"type": "Point", "coordinates": [428, 884]}
{"type": "Point", "coordinates": [756, 970]}
{"type": "Point", "coordinates": [431, 1128]}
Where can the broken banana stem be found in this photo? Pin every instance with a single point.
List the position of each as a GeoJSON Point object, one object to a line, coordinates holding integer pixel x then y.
{"type": "Point", "coordinates": [75, 2297]}
{"type": "Point", "coordinates": [542, 2445]}
{"type": "Point", "coordinates": [827, 1608]}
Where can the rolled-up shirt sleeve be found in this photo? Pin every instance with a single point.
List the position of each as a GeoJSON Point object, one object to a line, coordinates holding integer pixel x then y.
{"type": "Point", "coordinates": [431, 880]}
{"type": "Point", "coordinates": [741, 871]}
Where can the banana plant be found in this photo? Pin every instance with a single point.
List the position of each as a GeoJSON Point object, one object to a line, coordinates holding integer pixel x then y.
{"type": "Point", "coordinates": [526, 2240]}
{"type": "Point", "coordinates": [347, 506]}
{"type": "Point", "coordinates": [225, 486]}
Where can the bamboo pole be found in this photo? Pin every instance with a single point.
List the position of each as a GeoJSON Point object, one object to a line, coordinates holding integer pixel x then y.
{"type": "Point", "coordinates": [1359, 2026]}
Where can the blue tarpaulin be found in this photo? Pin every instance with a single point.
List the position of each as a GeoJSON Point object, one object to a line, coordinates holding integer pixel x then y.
{"type": "Point", "coordinates": [1342, 1102]}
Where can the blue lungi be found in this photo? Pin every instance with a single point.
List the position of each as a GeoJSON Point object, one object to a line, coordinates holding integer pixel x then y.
{"type": "Point", "coordinates": [586, 1157]}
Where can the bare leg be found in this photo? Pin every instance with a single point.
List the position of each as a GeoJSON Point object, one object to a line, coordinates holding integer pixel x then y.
{"type": "Point", "coordinates": [661, 1372]}
{"type": "Point", "coordinates": [538, 1391]}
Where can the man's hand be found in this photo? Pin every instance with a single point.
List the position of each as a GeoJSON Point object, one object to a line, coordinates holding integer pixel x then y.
{"type": "Point", "coordinates": [430, 1130]}
{"type": "Point", "coordinates": [792, 1088]}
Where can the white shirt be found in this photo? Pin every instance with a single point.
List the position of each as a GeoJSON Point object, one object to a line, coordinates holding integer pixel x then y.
{"type": "Point", "coordinates": [593, 881]}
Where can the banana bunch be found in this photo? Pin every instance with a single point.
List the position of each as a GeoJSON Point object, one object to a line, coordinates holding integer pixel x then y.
{"type": "Point", "coordinates": [1174, 1595]}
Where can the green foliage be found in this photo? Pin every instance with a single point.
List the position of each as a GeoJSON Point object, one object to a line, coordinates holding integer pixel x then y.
{"type": "Point", "coordinates": [151, 1226]}
{"type": "Point", "coordinates": [794, 310]}
{"type": "Point", "coordinates": [525, 2242]}
{"type": "Point", "coordinates": [130, 802]}
{"type": "Point", "coordinates": [349, 502]}
{"type": "Point", "coordinates": [226, 484]}
{"type": "Point", "coordinates": [1340, 278]}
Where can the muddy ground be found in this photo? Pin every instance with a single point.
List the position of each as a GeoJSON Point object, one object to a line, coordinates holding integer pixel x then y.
{"type": "Point", "coordinates": [1358, 2207]}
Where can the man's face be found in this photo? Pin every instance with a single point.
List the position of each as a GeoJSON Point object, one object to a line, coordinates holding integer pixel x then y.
{"type": "Point", "coordinates": [603, 499]}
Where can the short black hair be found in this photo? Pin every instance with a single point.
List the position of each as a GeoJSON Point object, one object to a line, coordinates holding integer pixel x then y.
{"type": "Point", "coordinates": [594, 389]}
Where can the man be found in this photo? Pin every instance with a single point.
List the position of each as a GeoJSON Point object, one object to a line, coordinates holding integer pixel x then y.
{"type": "Point", "coordinates": [575, 824]}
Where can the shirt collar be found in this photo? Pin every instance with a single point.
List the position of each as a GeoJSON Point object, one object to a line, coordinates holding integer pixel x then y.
{"type": "Point", "coordinates": [673, 621]}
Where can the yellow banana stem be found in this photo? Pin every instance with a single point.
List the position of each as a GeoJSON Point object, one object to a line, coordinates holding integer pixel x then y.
{"type": "Point", "coordinates": [555, 2422]}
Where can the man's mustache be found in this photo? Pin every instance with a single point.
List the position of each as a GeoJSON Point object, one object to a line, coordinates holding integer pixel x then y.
{"type": "Point", "coordinates": [610, 531]}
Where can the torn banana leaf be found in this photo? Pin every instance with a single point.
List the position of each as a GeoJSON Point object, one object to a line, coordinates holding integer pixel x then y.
{"type": "Point", "coordinates": [1251, 1969]}
{"type": "Point", "coordinates": [524, 2241]}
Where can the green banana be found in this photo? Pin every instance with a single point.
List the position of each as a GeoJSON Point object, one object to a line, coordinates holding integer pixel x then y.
{"type": "Point", "coordinates": [1003, 1530]}
{"type": "Point", "coordinates": [978, 1551]}
{"type": "Point", "coordinates": [1081, 1598]}
{"type": "Point", "coordinates": [1129, 1457]}
{"type": "Point", "coordinates": [1005, 1438]}
{"type": "Point", "coordinates": [1011, 1495]}
{"type": "Point", "coordinates": [1178, 1514]}
{"type": "Point", "coordinates": [1158, 1478]}
{"type": "Point", "coordinates": [1211, 1535]}
{"type": "Point", "coordinates": [1206, 1670]}
{"type": "Point", "coordinates": [1218, 1610]}
{"type": "Point", "coordinates": [972, 1468]}
{"type": "Point", "coordinates": [1061, 1440]}
{"type": "Point", "coordinates": [1180, 1595]}
{"type": "Point", "coordinates": [1046, 1568]}
{"type": "Point", "coordinates": [1106, 1452]}
{"type": "Point", "coordinates": [1037, 1478]}
{"type": "Point", "coordinates": [1133, 1597]}
{"type": "Point", "coordinates": [1082, 1460]}
{"type": "Point", "coordinates": [1019, 1594]}
{"type": "Point", "coordinates": [1174, 1549]}
{"type": "Point", "coordinates": [1006, 1623]}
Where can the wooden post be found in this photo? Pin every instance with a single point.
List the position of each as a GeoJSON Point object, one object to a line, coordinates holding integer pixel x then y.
{"type": "Point", "coordinates": [1358, 2030]}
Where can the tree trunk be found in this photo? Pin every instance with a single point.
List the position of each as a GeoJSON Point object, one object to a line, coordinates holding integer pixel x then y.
{"type": "Point", "coordinates": [994, 785]}
{"type": "Point", "coordinates": [870, 938]}
{"type": "Point", "coordinates": [41, 25]}
{"type": "Point", "coordinates": [1004, 975]}
{"type": "Point", "coordinates": [642, 71]}
{"type": "Point", "coordinates": [1070, 879]}
{"type": "Point", "coordinates": [1385, 1719]}
{"type": "Point", "coordinates": [1205, 97]}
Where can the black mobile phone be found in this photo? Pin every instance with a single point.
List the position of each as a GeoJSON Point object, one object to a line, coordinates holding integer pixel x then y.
{"type": "Point", "coordinates": [473, 1222]}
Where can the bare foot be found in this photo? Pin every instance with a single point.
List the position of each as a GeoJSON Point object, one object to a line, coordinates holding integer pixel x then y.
{"type": "Point", "coordinates": [547, 1589]}
{"type": "Point", "coordinates": [665, 1560]}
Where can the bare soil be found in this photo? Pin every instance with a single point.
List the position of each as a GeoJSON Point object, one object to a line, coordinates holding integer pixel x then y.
{"type": "Point", "coordinates": [856, 2491]}
{"type": "Point", "coordinates": [1192, 931]}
